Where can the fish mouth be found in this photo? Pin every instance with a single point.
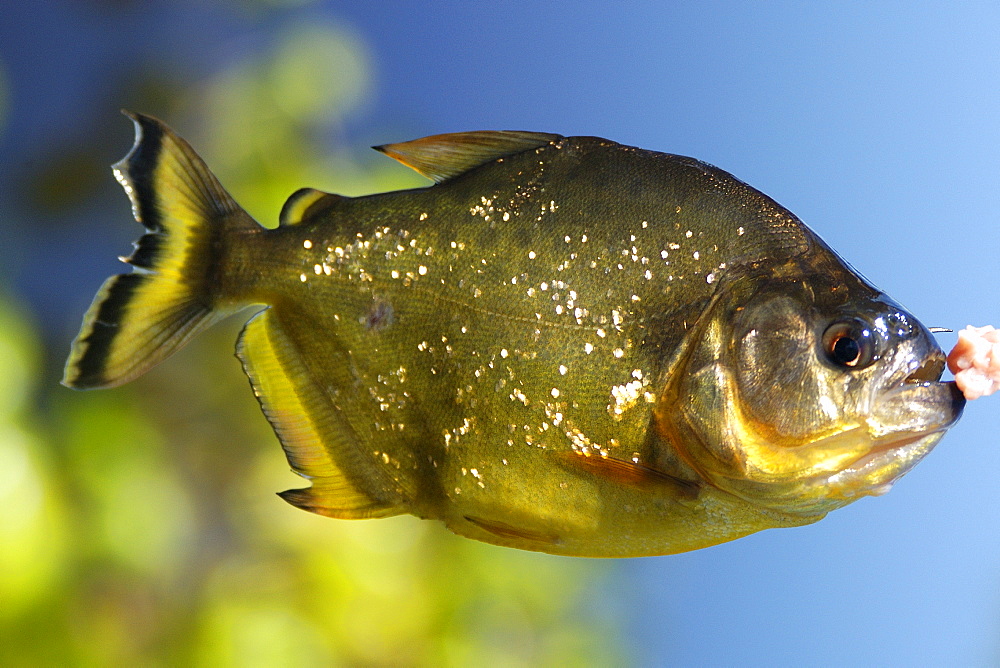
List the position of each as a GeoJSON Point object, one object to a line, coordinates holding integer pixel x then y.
{"type": "Point", "coordinates": [911, 415]}
{"type": "Point", "coordinates": [922, 384]}
{"type": "Point", "coordinates": [929, 371]}
{"type": "Point", "coordinates": [920, 391]}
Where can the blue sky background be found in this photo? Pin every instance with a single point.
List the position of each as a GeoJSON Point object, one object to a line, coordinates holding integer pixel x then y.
{"type": "Point", "coordinates": [876, 123]}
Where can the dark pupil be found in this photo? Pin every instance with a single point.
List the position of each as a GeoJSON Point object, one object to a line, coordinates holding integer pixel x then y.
{"type": "Point", "coordinates": [846, 351]}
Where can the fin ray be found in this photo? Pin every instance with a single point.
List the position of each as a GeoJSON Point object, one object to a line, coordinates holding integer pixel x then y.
{"type": "Point", "coordinates": [630, 473]}
{"type": "Point", "coordinates": [441, 157]}
{"type": "Point", "coordinates": [507, 532]}
{"type": "Point", "coordinates": [137, 320]}
{"type": "Point", "coordinates": [306, 424]}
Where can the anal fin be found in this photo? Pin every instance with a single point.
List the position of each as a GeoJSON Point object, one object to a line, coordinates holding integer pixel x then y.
{"type": "Point", "coordinates": [316, 440]}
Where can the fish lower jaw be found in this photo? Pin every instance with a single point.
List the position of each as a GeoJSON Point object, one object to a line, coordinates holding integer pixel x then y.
{"type": "Point", "coordinates": [871, 474]}
{"type": "Point", "coordinates": [877, 471]}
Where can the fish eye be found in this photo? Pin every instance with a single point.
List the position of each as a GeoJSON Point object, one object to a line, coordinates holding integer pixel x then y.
{"type": "Point", "coordinates": [849, 344]}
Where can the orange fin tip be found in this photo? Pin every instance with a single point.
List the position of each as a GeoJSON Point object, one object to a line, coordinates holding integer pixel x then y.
{"type": "Point", "coordinates": [630, 473]}
{"type": "Point", "coordinates": [441, 157]}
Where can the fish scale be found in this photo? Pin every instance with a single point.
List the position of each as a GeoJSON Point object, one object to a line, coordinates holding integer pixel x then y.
{"type": "Point", "coordinates": [586, 371]}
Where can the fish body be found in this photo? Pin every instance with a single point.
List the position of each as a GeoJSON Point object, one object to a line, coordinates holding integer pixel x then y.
{"type": "Point", "coordinates": [565, 345]}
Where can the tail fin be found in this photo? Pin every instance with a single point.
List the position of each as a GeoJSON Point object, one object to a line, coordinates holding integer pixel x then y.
{"type": "Point", "coordinates": [139, 319]}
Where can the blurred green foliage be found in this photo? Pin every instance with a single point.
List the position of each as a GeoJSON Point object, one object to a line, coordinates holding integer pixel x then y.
{"type": "Point", "coordinates": [139, 526]}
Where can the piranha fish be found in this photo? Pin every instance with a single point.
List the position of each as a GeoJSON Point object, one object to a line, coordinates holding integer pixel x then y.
{"type": "Point", "coordinates": [565, 345]}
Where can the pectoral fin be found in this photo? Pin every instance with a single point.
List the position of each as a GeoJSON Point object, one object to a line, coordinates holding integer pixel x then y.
{"type": "Point", "coordinates": [631, 474]}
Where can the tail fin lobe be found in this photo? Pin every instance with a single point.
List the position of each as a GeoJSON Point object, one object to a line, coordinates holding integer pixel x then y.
{"type": "Point", "coordinates": [139, 319]}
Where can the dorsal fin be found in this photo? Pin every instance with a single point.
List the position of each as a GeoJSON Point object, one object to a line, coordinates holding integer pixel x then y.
{"type": "Point", "coordinates": [305, 202]}
{"type": "Point", "coordinates": [440, 157]}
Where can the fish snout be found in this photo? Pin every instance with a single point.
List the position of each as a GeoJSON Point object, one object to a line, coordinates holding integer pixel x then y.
{"type": "Point", "coordinates": [915, 399]}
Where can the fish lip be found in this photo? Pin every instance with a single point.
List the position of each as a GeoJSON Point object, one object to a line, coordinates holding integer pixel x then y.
{"type": "Point", "coordinates": [924, 383]}
{"type": "Point", "coordinates": [948, 393]}
{"type": "Point", "coordinates": [935, 405]}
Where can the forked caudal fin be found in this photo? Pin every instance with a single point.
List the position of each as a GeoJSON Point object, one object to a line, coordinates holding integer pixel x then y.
{"type": "Point", "coordinates": [137, 320]}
